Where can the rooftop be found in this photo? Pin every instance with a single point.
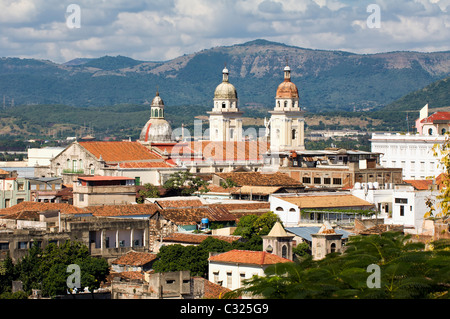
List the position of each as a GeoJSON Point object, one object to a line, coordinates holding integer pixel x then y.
{"type": "Point", "coordinates": [333, 200]}
{"type": "Point", "coordinates": [260, 179]}
{"type": "Point", "coordinates": [116, 151]}
{"type": "Point", "coordinates": [196, 238]}
{"type": "Point", "coordinates": [134, 258]}
{"type": "Point", "coordinates": [248, 257]}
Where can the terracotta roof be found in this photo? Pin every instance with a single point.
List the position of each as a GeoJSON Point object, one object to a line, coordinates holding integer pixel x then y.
{"type": "Point", "coordinates": [192, 216]}
{"type": "Point", "coordinates": [248, 257]}
{"type": "Point", "coordinates": [219, 189]}
{"type": "Point", "coordinates": [420, 184]}
{"type": "Point", "coordinates": [105, 178]}
{"type": "Point", "coordinates": [160, 164]}
{"type": "Point", "coordinates": [64, 208]}
{"type": "Point", "coordinates": [227, 151]}
{"type": "Point", "coordinates": [3, 172]}
{"type": "Point", "coordinates": [212, 290]}
{"type": "Point", "coordinates": [122, 210]}
{"type": "Point", "coordinates": [196, 238]}
{"type": "Point", "coordinates": [327, 201]}
{"type": "Point", "coordinates": [179, 203]}
{"type": "Point", "coordinates": [260, 179]}
{"type": "Point", "coordinates": [256, 190]}
{"type": "Point", "coordinates": [436, 117]}
{"type": "Point", "coordinates": [134, 258]}
{"type": "Point", "coordinates": [119, 151]}
{"type": "Point", "coordinates": [24, 215]}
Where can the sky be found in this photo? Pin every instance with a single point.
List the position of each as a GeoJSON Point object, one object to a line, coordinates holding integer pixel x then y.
{"type": "Point", "coordinates": [160, 30]}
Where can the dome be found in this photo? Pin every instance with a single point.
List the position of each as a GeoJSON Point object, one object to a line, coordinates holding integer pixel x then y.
{"type": "Point", "coordinates": [225, 90]}
{"type": "Point", "coordinates": [287, 89]}
{"type": "Point", "coordinates": [157, 100]}
{"type": "Point", "coordinates": [156, 130]}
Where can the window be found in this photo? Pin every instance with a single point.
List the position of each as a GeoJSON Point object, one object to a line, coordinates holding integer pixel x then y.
{"type": "Point", "coordinates": [81, 197]}
{"type": "Point", "coordinates": [402, 210]}
{"type": "Point", "coordinates": [327, 180]}
{"type": "Point", "coordinates": [401, 201]}
{"type": "Point", "coordinates": [4, 246]}
{"type": "Point", "coordinates": [332, 247]}
{"type": "Point", "coordinates": [430, 131]}
{"type": "Point", "coordinates": [317, 180]}
{"type": "Point", "coordinates": [22, 245]}
{"type": "Point", "coordinates": [229, 279]}
{"type": "Point", "coordinates": [279, 209]}
{"type": "Point", "coordinates": [337, 181]}
{"type": "Point", "coordinates": [443, 131]}
{"type": "Point", "coordinates": [284, 251]}
{"type": "Point", "coordinates": [294, 134]}
{"type": "Point", "coordinates": [306, 180]}
{"type": "Point", "coordinates": [224, 105]}
{"type": "Point", "coordinates": [216, 277]}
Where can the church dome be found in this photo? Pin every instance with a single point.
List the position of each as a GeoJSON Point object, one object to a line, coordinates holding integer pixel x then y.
{"type": "Point", "coordinates": [287, 89]}
{"type": "Point", "coordinates": [156, 130]}
{"type": "Point", "coordinates": [157, 101]}
{"type": "Point", "coordinates": [225, 90]}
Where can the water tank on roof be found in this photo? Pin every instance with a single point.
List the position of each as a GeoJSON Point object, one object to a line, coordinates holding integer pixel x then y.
{"type": "Point", "coordinates": [204, 223]}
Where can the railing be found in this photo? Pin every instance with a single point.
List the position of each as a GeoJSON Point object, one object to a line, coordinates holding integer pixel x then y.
{"type": "Point", "coordinates": [73, 171]}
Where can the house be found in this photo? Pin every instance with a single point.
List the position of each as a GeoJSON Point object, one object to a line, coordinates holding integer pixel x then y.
{"type": "Point", "coordinates": [44, 189]}
{"type": "Point", "coordinates": [229, 269]}
{"type": "Point", "coordinates": [133, 261]}
{"type": "Point", "coordinates": [14, 190]}
{"type": "Point", "coordinates": [103, 190]}
{"type": "Point", "coordinates": [307, 208]}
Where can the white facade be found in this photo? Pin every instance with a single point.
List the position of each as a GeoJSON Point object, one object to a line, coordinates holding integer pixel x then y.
{"type": "Point", "coordinates": [42, 156]}
{"type": "Point", "coordinates": [289, 213]}
{"type": "Point", "coordinates": [231, 275]}
{"type": "Point", "coordinates": [411, 152]}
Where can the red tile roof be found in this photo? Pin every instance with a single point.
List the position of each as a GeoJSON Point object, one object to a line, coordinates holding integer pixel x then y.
{"type": "Point", "coordinates": [179, 203]}
{"type": "Point", "coordinates": [119, 151]}
{"type": "Point", "coordinates": [134, 258]}
{"type": "Point", "coordinates": [420, 184]}
{"type": "Point", "coordinates": [40, 207]}
{"type": "Point", "coordinates": [260, 179]}
{"type": "Point", "coordinates": [212, 290]}
{"type": "Point", "coordinates": [227, 151]}
{"type": "Point", "coordinates": [162, 164]}
{"type": "Point", "coordinates": [248, 257]}
{"type": "Point", "coordinates": [122, 210]}
{"type": "Point", "coordinates": [196, 238]}
{"type": "Point", "coordinates": [437, 117]}
{"type": "Point", "coordinates": [194, 215]}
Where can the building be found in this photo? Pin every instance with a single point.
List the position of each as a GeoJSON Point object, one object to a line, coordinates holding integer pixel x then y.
{"type": "Point", "coordinates": [42, 156]}
{"type": "Point", "coordinates": [413, 152]}
{"type": "Point", "coordinates": [286, 124]}
{"type": "Point", "coordinates": [116, 158]}
{"type": "Point", "coordinates": [278, 242]}
{"type": "Point", "coordinates": [315, 208]}
{"type": "Point", "coordinates": [103, 190]}
{"type": "Point", "coordinates": [325, 241]}
{"type": "Point", "coordinates": [332, 168]}
{"type": "Point", "coordinates": [14, 190]}
{"type": "Point", "coordinates": [133, 261]}
{"type": "Point", "coordinates": [225, 122]}
{"type": "Point", "coordinates": [229, 269]}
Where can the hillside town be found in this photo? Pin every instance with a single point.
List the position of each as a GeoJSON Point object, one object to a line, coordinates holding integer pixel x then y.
{"type": "Point", "coordinates": [129, 200]}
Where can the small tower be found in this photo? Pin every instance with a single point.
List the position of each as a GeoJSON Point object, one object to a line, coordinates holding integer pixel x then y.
{"type": "Point", "coordinates": [278, 242]}
{"type": "Point", "coordinates": [157, 129]}
{"type": "Point", "coordinates": [287, 120]}
{"type": "Point", "coordinates": [225, 122]}
{"type": "Point", "coordinates": [326, 241]}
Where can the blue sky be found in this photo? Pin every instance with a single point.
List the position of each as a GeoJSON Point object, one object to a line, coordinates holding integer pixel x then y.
{"type": "Point", "coordinates": [157, 30]}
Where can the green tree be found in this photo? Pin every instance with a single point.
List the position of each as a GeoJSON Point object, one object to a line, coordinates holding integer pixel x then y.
{"type": "Point", "coordinates": [149, 191]}
{"type": "Point", "coordinates": [185, 183]}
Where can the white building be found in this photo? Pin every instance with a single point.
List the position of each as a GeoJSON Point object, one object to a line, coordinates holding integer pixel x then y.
{"type": "Point", "coordinates": [229, 269]}
{"type": "Point", "coordinates": [414, 152]}
{"type": "Point", "coordinates": [403, 204]}
{"type": "Point", "coordinates": [42, 156]}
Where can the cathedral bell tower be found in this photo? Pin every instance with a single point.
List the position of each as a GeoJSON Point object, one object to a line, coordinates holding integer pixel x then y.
{"type": "Point", "coordinates": [286, 124]}
{"type": "Point", "coordinates": [225, 122]}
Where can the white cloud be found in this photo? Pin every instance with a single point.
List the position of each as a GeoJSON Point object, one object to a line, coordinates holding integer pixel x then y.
{"type": "Point", "coordinates": [165, 29]}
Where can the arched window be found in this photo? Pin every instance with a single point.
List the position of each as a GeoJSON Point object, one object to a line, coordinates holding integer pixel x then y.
{"type": "Point", "coordinates": [292, 210]}
{"type": "Point", "coordinates": [279, 209]}
{"type": "Point", "coordinates": [224, 105]}
{"type": "Point", "coordinates": [294, 134]}
{"type": "Point", "coordinates": [284, 251]}
{"type": "Point", "coordinates": [430, 131]}
{"type": "Point", "coordinates": [443, 131]}
{"type": "Point", "coordinates": [285, 103]}
{"type": "Point", "coordinates": [68, 164]}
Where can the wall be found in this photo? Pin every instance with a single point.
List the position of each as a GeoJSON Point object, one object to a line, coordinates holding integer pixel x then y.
{"type": "Point", "coordinates": [236, 270]}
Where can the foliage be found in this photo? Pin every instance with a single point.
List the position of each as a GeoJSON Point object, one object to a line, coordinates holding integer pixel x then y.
{"type": "Point", "coordinates": [228, 183]}
{"type": "Point", "coordinates": [185, 184]}
{"type": "Point", "coordinates": [193, 258]}
{"type": "Point", "coordinates": [149, 191]}
{"type": "Point", "coordinates": [407, 271]}
{"type": "Point", "coordinates": [45, 269]}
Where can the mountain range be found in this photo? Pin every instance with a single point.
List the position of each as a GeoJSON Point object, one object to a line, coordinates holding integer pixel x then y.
{"type": "Point", "coordinates": [327, 80]}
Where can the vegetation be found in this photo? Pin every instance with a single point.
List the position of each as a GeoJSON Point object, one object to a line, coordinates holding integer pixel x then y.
{"type": "Point", "coordinates": [185, 184]}
{"type": "Point", "coordinates": [149, 191]}
{"type": "Point", "coordinates": [406, 270]}
{"type": "Point", "coordinates": [45, 269]}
